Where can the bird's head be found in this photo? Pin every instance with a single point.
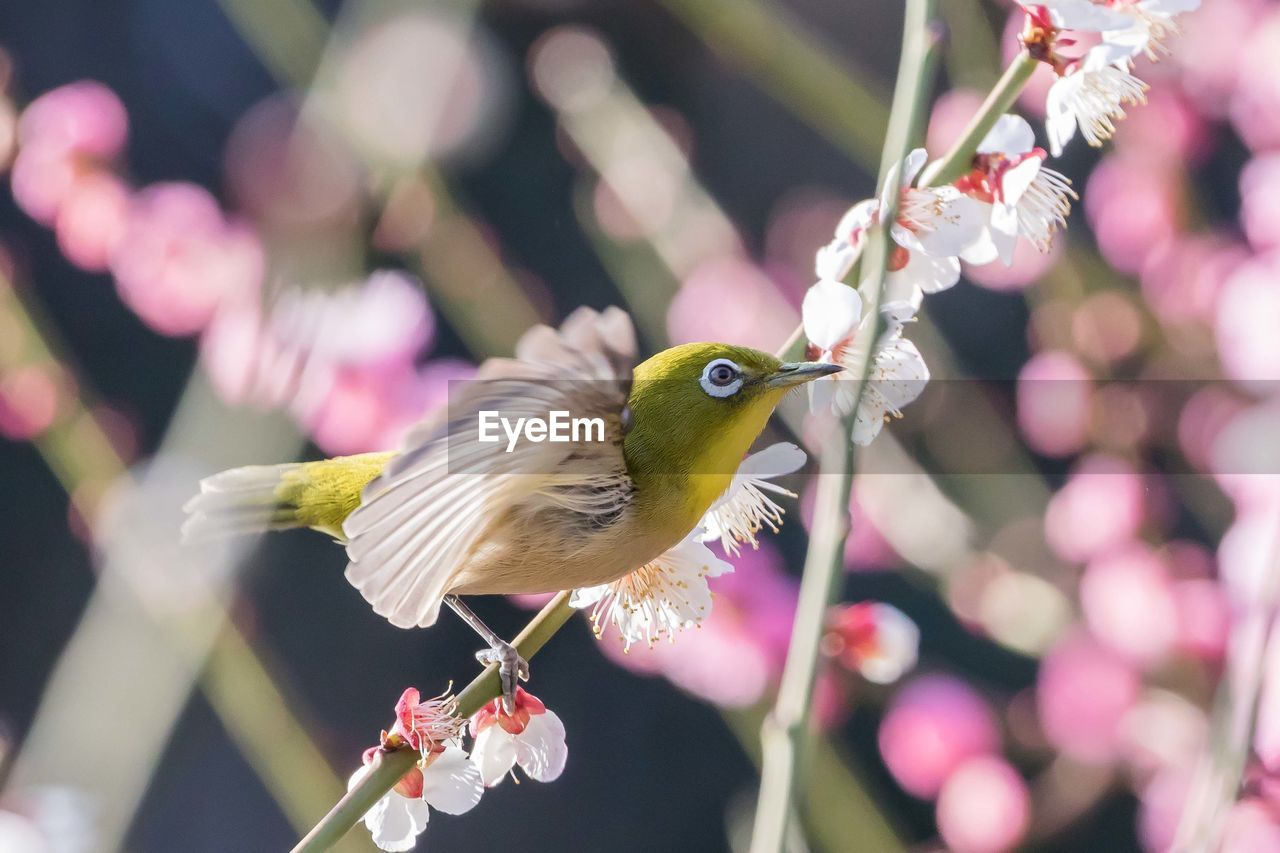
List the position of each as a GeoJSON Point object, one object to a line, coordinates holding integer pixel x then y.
{"type": "Point", "coordinates": [696, 408]}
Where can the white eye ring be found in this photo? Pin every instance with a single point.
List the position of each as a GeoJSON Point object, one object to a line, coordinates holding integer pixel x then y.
{"type": "Point", "coordinates": [718, 387]}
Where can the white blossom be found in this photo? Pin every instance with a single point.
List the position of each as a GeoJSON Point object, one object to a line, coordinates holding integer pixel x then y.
{"type": "Point", "coordinates": [659, 599]}
{"type": "Point", "coordinates": [1091, 97]}
{"type": "Point", "coordinates": [446, 779]}
{"type": "Point", "coordinates": [745, 507]}
{"type": "Point", "coordinates": [834, 323]}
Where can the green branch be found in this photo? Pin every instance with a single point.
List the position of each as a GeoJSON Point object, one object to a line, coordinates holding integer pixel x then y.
{"type": "Point", "coordinates": [956, 161]}
{"type": "Point", "coordinates": [785, 730]}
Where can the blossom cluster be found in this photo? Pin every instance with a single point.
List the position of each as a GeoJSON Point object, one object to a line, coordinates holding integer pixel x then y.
{"type": "Point", "coordinates": [1006, 194]}
{"type": "Point", "coordinates": [343, 362]}
{"type": "Point", "coordinates": [448, 777]}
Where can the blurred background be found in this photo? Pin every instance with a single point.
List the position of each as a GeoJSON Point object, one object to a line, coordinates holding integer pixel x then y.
{"type": "Point", "coordinates": [241, 232]}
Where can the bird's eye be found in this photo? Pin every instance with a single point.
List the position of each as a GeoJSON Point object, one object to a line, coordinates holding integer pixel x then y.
{"type": "Point", "coordinates": [721, 378]}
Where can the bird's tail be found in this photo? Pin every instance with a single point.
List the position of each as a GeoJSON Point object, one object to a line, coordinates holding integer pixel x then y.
{"type": "Point", "coordinates": [252, 499]}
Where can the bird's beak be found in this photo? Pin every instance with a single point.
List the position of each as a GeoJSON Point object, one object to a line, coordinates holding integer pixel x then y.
{"type": "Point", "coordinates": [800, 372]}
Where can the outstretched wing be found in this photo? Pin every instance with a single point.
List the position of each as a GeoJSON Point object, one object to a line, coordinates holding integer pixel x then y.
{"type": "Point", "coordinates": [420, 521]}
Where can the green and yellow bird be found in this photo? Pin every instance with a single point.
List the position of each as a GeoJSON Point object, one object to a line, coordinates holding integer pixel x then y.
{"type": "Point", "coordinates": [450, 514]}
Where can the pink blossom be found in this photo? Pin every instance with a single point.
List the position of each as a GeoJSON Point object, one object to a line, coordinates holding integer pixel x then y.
{"type": "Point", "coordinates": [1206, 413]}
{"type": "Point", "coordinates": [931, 727]}
{"type": "Point", "coordinates": [179, 259]}
{"type": "Point", "coordinates": [1246, 555]}
{"type": "Point", "coordinates": [41, 180]}
{"type": "Point", "coordinates": [1164, 800]}
{"type": "Point", "coordinates": [83, 117]}
{"type": "Point", "coordinates": [1129, 604]}
{"type": "Point", "coordinates": [1260, 200]}
{"type": "Point", "coordinates": [29, 401]}
{"type": "Point", "coordinates": [424, 725]}
{"type": "Point", "coordinates": [1100, 507]}
{"type": "Point", "coordinates": [91, 220]}
{"type": "Point", "coordinates": [983, 807]}
{"type": "Point", "coordinates": [1054, 397]}
{"type": "Point", "coordinates": [1167, 128]}
{"type": "Point", "coordinates": [876, 640]}
{"type": "Point", "coordinates": [1247, 318]}
{"type": "Point", "coordinates": [1083, 693]}
{"type": "Point", "coordinates": [1255, 101]}
{"type": "Point", "coordinates": [1204, 618]}
{"type": "Point", "coordinates": [1132, 205]}
{"type": "Point", "coordinates": [1182, 277]}
{"type": "Point", "coordinates": [64, 136]}
{"type": "Point", "coordinates": [1210, 54]}
{"type": "Point", "coordinates": [729, 299]}
{"type": "Point", "coordinates": [1252, 827]}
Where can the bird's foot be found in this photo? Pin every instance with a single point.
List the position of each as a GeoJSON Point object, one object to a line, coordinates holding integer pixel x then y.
{"type": "Point", "coordinates": [512, 669]}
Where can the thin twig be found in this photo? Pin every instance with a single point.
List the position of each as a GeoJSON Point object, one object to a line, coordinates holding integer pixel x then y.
{"type": "Point", "coordinates": [784, 730]}
{"type": "Point", "coordinates": [956, 161]}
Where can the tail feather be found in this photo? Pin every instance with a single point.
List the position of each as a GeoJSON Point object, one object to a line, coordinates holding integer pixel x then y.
{"type": "Point", "coordinates": [242, 501]}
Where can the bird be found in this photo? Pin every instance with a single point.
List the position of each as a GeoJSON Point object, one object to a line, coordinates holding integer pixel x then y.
{"type": "Point", "coordinates": [450, 515]}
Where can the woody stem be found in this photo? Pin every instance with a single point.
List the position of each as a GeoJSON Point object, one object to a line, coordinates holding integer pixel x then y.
{"type": "Point", "coordinates": [785, 729]}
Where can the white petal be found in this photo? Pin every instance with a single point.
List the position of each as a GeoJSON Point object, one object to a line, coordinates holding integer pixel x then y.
{"type": "Point", "coordinates": [587, 595]}
{"type": "Point", "coordinates": [834, 260]}
{"type": "Point", "coordinates": [494, 752]}
{"type": "Point", "coordinates": [912, 165]}
{"type": "Point", "coordinates": [663, 597]}
{"type": "Point", "coordinates": [958, 224]}
{"type": "Point", "coordinates": [744, 508]}
{"type": "Point", "coordinates": [1060, 120]}
{"type": "Point", "coordinates": [1010, 135]}
{"type": "Point", "coordinates": [984, 250]}
{"type": "Point", "coordinates": [393, 821]}
{"type": "Point", "coordinates": [897, 376]}
{"type": "Point", "coordinates": [1084, 15]}
{"type": "Point", "coordinates": [831, 312]}
{"type": "Point", "coordinates": [930, 273]}
{"type": "Point", "coordinates": [821, 396]}
{"type": "Point", "coordinates": [1017, 180]}
{"type": "Point", "coordinates": [452, 782]}
{"type": "Point", "coordinates": [776, 460]}
{"type": "Point", "coordinates": [540, 748]}
{"type": "Point", "coordinates": [856, 220]}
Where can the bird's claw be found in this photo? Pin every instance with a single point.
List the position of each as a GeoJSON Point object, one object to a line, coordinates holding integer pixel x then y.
{"type": "Point", "coordinates": [512, 669]}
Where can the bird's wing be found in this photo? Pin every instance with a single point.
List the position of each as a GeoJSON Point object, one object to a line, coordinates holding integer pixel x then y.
{"type": "Point", "coordinates": [421, 519]}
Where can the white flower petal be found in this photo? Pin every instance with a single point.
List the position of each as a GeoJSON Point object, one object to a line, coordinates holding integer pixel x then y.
{"type": "Point", "coordinates": [897, 377]}
{"type": "Point", "coordinates": [1011, 135]}
{"type": "Point", "coordinates": [1084, 15]}
{"type": "Point", "coordinates": [494, 752]}
{"type": "Point", "coordinates": [393, 821]}
{"type": "Point", "coordinates": [822, 394]}
{"type": "Point", "coordinates": [452, 781]}
{"type": "Point", "coordinates": [957, 223]}
{"type": "Point", "coordinates": [1016, 181]}
{"type": "Point", "coordinates": [912, 165]}
{"type": "Point", "coordinates": [663, 597]}
{"type": "Point", "coordinates": [744, 508]}
{"type": "Point", "coordinates": [540, 748]}
{"type": "Point", "coordinates": [834, 260]}
{"type": "Point", "coordinates": [856, 220]}
{"type": "Point", "coordinates": [831, 312]}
